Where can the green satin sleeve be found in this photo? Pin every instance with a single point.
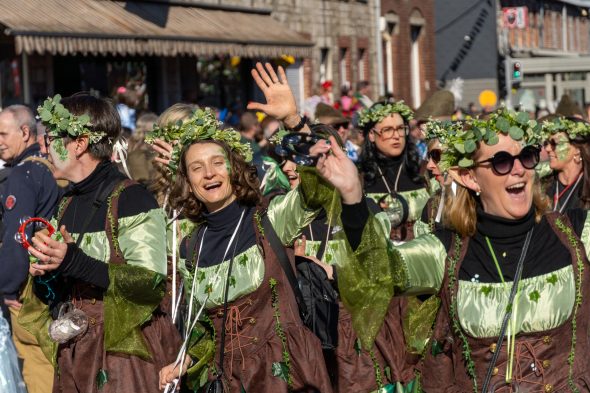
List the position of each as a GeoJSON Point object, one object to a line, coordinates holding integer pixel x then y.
{"type": "Point", "coordinates": [423, 261]}
{"type": "Point", "coordinates": [142, 240]}
{"type": "Point", "coordinates": [292, 212]}
{"type": "Point", "coordinates": [133, 294]}
{"type": "Point", "coordinates": [585, 237]}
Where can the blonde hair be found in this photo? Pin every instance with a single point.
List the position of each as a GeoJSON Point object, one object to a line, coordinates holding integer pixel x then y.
{"type": "Point", "coordinates": [163, 179]}
{"type": "Point", "coordinates": [461, 213]}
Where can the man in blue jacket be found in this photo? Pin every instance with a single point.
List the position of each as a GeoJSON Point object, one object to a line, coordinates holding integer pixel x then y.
{"type": "Point", "coordinates": [29, 191]}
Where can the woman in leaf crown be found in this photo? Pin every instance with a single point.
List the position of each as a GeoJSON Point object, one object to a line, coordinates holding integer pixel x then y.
{"type": "Point", "coordinates": [567, 141]}
{"type": "Point", "coordinates": [432, 213]}
{"type": "Point", "coordinates": [261, 344]}
{"type": "Point", "coordinates": [391, 166]}
{"type": "Point", "coordinates": [512, 279]}
{"type": "Point", "coordinates": [106, 265]}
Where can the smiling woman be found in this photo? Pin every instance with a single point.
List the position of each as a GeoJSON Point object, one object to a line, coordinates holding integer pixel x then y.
{"type": "Point", "coordinates": [511, 279]}
{"type": "Point", "coordinates": [252, 338]}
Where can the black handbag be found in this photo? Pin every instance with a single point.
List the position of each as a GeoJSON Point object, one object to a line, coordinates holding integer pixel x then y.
{"type": "Point", "coordinates": [316, 297]}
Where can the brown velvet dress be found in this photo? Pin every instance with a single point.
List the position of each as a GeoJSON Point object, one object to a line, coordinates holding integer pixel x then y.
{"type": "Point", "coordinates": [80, 360]}
{"type": "Point", "coordinates": [252, 344]}
{"type": "Point", "coordinates": [548, 350]}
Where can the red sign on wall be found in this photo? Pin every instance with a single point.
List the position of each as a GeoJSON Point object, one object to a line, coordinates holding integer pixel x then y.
{"type": "Point", "coordinates": [515, 17]}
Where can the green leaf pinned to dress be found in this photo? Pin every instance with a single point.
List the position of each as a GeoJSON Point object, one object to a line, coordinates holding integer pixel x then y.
{"type": "Point", "coordinates": [535, 296]}
{"type": "Point", "coordinates": [486, 290]}
{"type": "Point", "coordinates": [357, 346]}
{"type": "Point", "coordinates": [280, 369]}
{"type": "Point", "coordinates": [552, 279]}
{"type": "Point", "coordinates": [387, 372]}
{"type": "Point", "coordinates": [102, 377]}
{"type": "Point", "coordinates": [436, 348]}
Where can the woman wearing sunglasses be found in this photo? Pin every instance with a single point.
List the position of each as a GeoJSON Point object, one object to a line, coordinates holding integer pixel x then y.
{"type": "Point", "coordinates": [567, 141]}
{"type": "Point", "coordinates": [390, 166]}
{"type": "Point", "coordinates": [512, 281]}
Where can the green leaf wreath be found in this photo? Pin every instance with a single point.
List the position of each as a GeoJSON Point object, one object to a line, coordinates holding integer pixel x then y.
{"type": "Point", "coordinates": [378, 112]}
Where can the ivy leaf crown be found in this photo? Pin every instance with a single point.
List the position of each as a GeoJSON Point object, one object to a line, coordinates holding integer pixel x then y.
{"type": "Point", "coordinates": [201, 126]}
{"type": "Point", "coordinates": [442, 129]}
{"type": "Point", "coordinates": [459, 148]}
{"type": "Point", "coordinates": [378, 112]}
{"type": "Point", "coordinates": [60, 122]}
{"type": "Point", "coordinates": [574, 129]}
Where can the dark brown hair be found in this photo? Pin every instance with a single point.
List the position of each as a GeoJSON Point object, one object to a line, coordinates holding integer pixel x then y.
{"type": "Point", "coordinates": [244, 182]}
{"type": "Point", "coordinates": [104, 118]}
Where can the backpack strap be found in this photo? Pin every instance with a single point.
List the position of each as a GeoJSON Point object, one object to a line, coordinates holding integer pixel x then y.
{"type": "Point", "coordinates": [112, 220]}
{"type": "Point", "coordinates": [281, 254]}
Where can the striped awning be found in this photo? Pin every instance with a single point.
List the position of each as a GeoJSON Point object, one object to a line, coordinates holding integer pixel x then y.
{"type": "Point", "coordinates": [145, 28]}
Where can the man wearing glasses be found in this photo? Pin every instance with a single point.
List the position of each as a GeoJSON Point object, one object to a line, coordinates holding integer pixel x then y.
{"type": "Point", "coordinates": [28, 191]}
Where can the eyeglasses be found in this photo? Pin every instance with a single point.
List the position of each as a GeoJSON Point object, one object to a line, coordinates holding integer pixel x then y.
{"type": "Point", "coordinates": [435, 155]}
{"type": "Point", "coordinates": [387, 132]}
{"type": "Point", "coordinates": [50, 138]}
{"type": "Point", "coordinates": [503, 162]}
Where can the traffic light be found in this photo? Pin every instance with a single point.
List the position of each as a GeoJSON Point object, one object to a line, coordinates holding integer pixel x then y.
{"type": "Point", "coordinates": [516, 71]}
{"type": "Point", "coordinates": [516, 74]}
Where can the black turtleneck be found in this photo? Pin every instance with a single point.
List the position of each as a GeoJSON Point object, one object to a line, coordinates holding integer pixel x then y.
{"type": "Point", "coordinates": [545, 254]}
{"type": "Point", "coordinates": [570, 198]}
{"type": "Point", "coordinates": [220, 227]}
{"type": "Point", "coordinates": [390, 167]}
{"type": "Point", "coordinates": [133, 200]}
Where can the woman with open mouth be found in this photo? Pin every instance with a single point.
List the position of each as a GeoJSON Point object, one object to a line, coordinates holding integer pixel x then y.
{"type": "Point", "coordinates": [253, 338]}
{"type": "Point", "coordinates": [567, 141]}
{"type": "Point", "coordinates": [511, 279]}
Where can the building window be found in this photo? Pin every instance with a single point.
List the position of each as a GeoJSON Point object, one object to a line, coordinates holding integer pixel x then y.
{"type": "Point", "coordinates": [325, 65]}
{"type": "Point", "coordinates": [344, 80]}
{"type": "Point", "coordinates": [361, 64]}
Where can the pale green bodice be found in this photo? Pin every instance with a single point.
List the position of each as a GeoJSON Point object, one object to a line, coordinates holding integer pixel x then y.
{"type": "Point", "coordinates": [141, 239]}
{"type": "Point", "coordinates": [544, 302]}
{"type": "Point", "coordinates": [416, 200]}
{"type": "Point", "coordinates": [288, 215]}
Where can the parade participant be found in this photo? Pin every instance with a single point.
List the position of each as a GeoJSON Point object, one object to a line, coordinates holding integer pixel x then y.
{"type": "Point", "coordinates": [391, 167]}
{"type": "Point", "coordinates": [261, 344]}
{"type": "Point", "coordinates": [436, 132]}
{"type": "Point", "coordinates": [567, 141]}
{"type": "Point", "coordinates": [325, 114]}
{"type": "Point", "coordinates": [28, 191]}
{"type": "Point", "coordinates": [514, 292]}
{"type": "Point", "coordinates": [96, 287]}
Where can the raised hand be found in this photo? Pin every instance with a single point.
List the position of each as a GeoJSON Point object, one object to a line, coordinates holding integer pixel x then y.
{"type": "Point", "coordinates": [164, 151]}
{"type": "Point", "coordinates": [280, 102]}
{"type": "Point", "coordinates": [339, 170]}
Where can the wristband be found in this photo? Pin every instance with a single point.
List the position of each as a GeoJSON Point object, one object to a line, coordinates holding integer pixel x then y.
{"type": "Point", "coordinates": [299, 125]}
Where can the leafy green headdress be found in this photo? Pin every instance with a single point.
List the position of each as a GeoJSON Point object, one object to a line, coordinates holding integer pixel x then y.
{"type": "Point", "coordinates": [442, 129]}
{"type": "Point", "coordinates": [378, 112]}
{"type": "Point", "coordinates": [61, 122]}
{"type": "Point", "coordinates": [459, 147]}
{"type": "Point", "coordinates": [201, 126]}
{"type": "Point", "coordinates": [575, 129]}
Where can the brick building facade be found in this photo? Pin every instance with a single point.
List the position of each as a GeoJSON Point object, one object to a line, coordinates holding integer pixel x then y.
{"type": "Point", "coordinates": [552, 45]}
{"type": "Point", "coordinates": [408, 49]}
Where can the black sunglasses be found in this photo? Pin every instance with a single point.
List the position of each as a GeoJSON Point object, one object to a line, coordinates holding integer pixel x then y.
{"type": "Point", "coordinates": [337, 126]}
{"type": "Point", "coordinates": [503, 162]}
{"type": "Point", "coordinates": [435, 155]}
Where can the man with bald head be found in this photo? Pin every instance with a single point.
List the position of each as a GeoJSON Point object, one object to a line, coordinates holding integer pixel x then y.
{"type": "Point", "coordinates": [29, 190]}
